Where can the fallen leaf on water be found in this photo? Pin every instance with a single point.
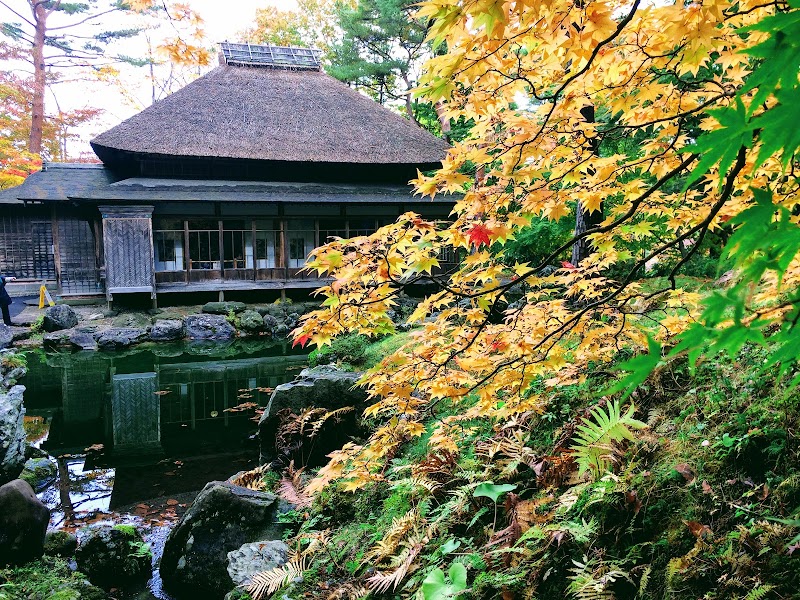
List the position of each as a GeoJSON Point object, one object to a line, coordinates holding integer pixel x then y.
{"type": "Point", "coordinates": [94, 448]}
{"type": "Point", "coordinates": [162, 392]}
{"type": "Point", "coordinates": [172, 502]}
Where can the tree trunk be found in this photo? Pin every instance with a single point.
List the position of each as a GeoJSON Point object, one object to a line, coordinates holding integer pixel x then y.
{"type": "Point", "coordinates": [63, 490]}
{"type": "Point", "coordinates": [39, 79]}
{"type": "Point", "coordinates": [584, 219]}
{"type": "Point", "coordinates": [409, 103]}
{"type": "Point", "coordinates": [444, 121]}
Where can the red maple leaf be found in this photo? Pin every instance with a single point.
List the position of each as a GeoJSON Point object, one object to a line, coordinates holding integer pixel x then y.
{"type": "Point", "coordinates": [302, 340]}
{"type": "Point", "coordinates": [567, 265]}
{"type": "Point", "coordinates": [479, 234]}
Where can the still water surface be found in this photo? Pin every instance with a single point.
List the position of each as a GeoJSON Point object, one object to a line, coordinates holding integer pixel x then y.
{"type": "Point", "coordinates": [152, 422]}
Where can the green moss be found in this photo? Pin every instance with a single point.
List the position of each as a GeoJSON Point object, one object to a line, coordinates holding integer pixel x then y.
{"type": "Point", "coordinates": [48, 578]}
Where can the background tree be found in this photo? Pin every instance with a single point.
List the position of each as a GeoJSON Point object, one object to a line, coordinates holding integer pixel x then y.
{"type": "Point", "coordinates": [382, 49]}
{"type": "Point", "coordinates": [313, 23]}
{"type": "Point", "coordinates": [58, 46]}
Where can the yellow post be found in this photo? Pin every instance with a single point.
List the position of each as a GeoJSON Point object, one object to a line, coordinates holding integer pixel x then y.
{"type": "Point", "coordinates": [44, 296]}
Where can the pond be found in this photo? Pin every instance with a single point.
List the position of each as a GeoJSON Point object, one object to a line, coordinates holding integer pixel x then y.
{"type": "Point", "coordinates": [136, 434]}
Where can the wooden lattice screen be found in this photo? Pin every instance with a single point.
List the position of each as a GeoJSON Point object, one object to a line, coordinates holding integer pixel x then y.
{"type": "Point", "coordinates": [128, 242]}
{"type": "Point", "coordinates": [26, 244]}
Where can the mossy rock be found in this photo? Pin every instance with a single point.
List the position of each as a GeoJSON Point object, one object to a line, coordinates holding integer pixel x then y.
{"type": "Point", "coordinates": [39, 473]}
{"type": "Point", "coordinates": [250, 321]}
{"type": "Point", "coordinates": [223, 308]}
{"type": "Point", "coordinates": [133, 319]}
{"type": "Point", "coordinates": [60, 543]}
{"type": "Point", "coordinates": [114, 556]}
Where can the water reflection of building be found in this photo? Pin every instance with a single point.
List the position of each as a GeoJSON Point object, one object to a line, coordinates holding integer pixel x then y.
{"type": "Point", "coordinates": [138, 405]}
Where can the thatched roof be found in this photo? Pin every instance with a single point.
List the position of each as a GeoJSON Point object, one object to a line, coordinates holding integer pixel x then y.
{"type": "Point", "coordinates": [277, 115]}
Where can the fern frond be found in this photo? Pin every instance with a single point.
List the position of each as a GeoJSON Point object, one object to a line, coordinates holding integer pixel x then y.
{"type": "Point", "coordinates": [759, 592]}
{"type": "Point", "coordinates": [382, 582]}
{"type": "Point", "coordinates": [252, 480]}
{"type": "Point", "coordinates": [398, 531]}
{"type": "Point", "coordinates": [266, 583]}
{"type": "Point", "coordinates": [336, 415]}
{"type": "Point", "coordinates": [292, 490]}
{"type": "Point", "coordinates": [593, 444]}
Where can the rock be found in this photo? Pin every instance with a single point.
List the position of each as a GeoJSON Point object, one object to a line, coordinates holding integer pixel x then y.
{"type": "Point", "coordinates": [12, 434]}
{"type": "Point", "coordinates": [39, 473]}
{"type": "Point", "coordinates": [251, 321]}
{"type": "Point", "coordinates": [135, 320]}
{"type": "Point", "coordinates": [223, 308]}
{"type": "Point", "coordinates": [255, 557]}
{"type": "Point", "coordinates": [167, 330]}
{"type": "Point", "coordinates": [23, 523]}
{"type": "Point", "coordinates": [113, 556]}
{"type": "Point", "coordinates": [57, 338]}
{"type": "Point", "coordinates": [322, 387]}
{"type": "Point", "coordinates": [270, 323]}
{"type": "Point", "coordinates": [208, 327]}
{"type": "Point", "coordinates": [83, 339]}
{"type": "Point", "coordinates": [58, 317]}
{"type": "Point", "coordinates": [60, 543]}
{"type": "Point", "coordinates": [222, 518]}
{"type": "Point", "coordinates": [118, 338]}
{"type": "Point", "coordinates": [6, 336]}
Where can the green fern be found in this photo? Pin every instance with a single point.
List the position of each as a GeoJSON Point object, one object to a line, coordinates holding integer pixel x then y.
{"type": "Point", "coordinates": [759, 592]}
{"type": "Point", "coordinates": [593, 447]}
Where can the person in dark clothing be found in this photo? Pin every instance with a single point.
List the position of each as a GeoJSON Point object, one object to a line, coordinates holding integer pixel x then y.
{"type": "Point", "coordinates": [5, 299]}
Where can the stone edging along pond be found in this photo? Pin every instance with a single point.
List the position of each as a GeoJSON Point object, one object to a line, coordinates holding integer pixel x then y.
{"type": "Point", "coordinates": [61, 326]}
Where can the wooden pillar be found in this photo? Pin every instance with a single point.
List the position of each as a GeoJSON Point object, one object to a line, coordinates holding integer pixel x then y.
{"type": "Point", "coordinates": [187, 258]}
{"type": "Point", "coordinates": [56, 245]}
{"type": "Point", "coordinates": [221, 243]}
{"type": "Point", "coordinates": [255, 248]}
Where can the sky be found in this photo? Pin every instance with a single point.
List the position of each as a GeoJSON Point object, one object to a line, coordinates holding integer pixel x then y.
{"type": "Point", "coordinates": [224, 20]}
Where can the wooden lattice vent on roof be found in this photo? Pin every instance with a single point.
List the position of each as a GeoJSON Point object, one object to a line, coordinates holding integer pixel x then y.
{"type": "Point", "coordinates": [272, 57]}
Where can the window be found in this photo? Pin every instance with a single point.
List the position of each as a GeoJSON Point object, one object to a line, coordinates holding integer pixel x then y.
{"type": "Point", "coordinates": [300, 235]}
{"type": "Point", "coordinates": [267, 243]}
{"type": "Point", "coordinates": [237, 241]}
{"type": "Point", "coordinates": [297, 248]}
{"type": "Point", "coordinates": [168, 250]}
{"type": "Point", "coordinates": [204, 244]}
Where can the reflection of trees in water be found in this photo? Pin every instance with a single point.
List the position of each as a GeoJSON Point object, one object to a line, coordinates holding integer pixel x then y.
{"type": "Point", "coordinates": [81, 491]}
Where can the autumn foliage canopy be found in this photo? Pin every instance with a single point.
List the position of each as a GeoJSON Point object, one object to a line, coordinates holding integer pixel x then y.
{"type": "Point", "coordinates": [671, 123]}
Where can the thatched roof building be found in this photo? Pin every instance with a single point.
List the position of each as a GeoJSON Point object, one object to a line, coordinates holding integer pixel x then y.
{"type": "Point", "coordinates": [283, 122]}
{"type": "Point", "coordinates": [226, 184]}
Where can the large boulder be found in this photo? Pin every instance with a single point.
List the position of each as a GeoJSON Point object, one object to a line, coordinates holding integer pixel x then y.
{"type": "Point", "coordinates": [209, 327]}
{"type": "Point", "coordinates": [12, 434]}
{"type": "Point", "coordinates": [321, 387]}
{"type": "Point", "coordinates": [23, 523]}
{"type": "Point", "coordinates": [167, 330]}
{"type": "Point", "coordinates": [112, 556]}
{"type": "Point", "coordinates": [222, 518]}
{"type": "Point", "coordinates": [39, 473]}
{"type": "Point", "coordinates": [118, 338]}
{"type": "Point", "coordinates": [59, 317]}
{"type": "Point", "coordinates": [250, 321]}
{"type": "Point", "coordinates": [6, 336]}
{"type": "Point", "coordinates": [223, 308]}
{"type": "Point", "coordinates": [255, 557]}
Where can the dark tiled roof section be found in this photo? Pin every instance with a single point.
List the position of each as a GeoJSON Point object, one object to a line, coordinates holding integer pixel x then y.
{"type": "Point", "coordinates": [154, 190]}
{"type": "Point", "coordinates": [273, 115]}
{"type": "Point", "coordinates": [59, 181]}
